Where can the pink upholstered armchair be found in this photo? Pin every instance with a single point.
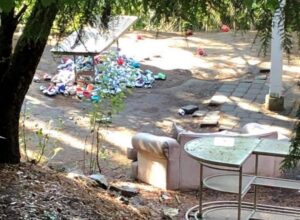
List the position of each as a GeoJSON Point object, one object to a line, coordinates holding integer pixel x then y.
{"type": "Point", "coordinates": [157, 160]}
{"type": "Point", "coordinates": [162, 162]}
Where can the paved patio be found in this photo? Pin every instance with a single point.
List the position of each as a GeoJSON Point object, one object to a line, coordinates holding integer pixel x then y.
{"type": "Point", "coordinates": [242, 101]}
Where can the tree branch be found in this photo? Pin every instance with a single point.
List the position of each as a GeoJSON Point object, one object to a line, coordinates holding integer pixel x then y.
{"type": "Point", "coordinates": [20, 13]}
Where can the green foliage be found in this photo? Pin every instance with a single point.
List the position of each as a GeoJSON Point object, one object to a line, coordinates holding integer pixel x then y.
{"type": "Point", "coordinates": [7, 5]}
{"type": "Point", "coordinates": [42, 139]}
{"type": "Point", "coordinates": [291, 161]}
{"type": "Point", "coordinates": [46, 3]}
{"type": "Point", "coordinates": [100, 117]}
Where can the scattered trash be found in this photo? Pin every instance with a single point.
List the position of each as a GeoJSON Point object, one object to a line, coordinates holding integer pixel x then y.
{"type": "Point", "coordinates": [47, 77]}
{"type": "Point", "coordinates": [201, 52]}
{"type": "Point", "coordinates": [181, 112]}
{"type": "Point", "coordinates": [225, 28]}
{"type": "Point", "coordinates": [263, 77]}
{"type": "Point", "coordinates": [139, 37]}
{"type": "Point", "coordinates": [160, 76]}
{"type": "Point", "coordinates": [124, 200]}
{"type": "Point", "coordinates": [199, 113]}
{"type": "Point", "coordinates": [188, 109]}
{"type": "Point", "coordinates": [177, 199]}
{"type": "Point", "coordinates": [100, 179]}
{"type": "Point", "coordinates": [170, 213]}
{"type": "Point", "coordinates": [264, 70]}
{"type": "Point", "coordinates": [211, 119]}
{"type": "Point", "coordinates": [105, 120]}
{"type": "Point", "coordinates": [164, 196]}
{"type": "Point", "coordinates": [127, 191]}
{"type": "Point", "coordinates": [188, 33]}
{"type": "Point", "coordinates": [218, 99]}
{"type": "Point", "coordinates": [36, 79]}
{"type": "Point", "coordinates": [113, 73]}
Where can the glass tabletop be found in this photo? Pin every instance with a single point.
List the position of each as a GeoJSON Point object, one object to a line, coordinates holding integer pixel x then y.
{"type": "Point", "coordinates": [272, 147]}
{"type": "Point", "coordinates": [224, 151]}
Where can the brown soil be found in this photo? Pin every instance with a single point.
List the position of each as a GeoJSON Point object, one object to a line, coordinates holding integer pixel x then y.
{"type": "Point", "coordinates": [191, 79]}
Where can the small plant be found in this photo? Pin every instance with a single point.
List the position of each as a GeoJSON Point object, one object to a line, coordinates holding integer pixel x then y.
{"type": "Point", "coordinates": [61, 124]}
{"type": "Point", "coordinates": [41, 137]}
{"type": "Point", "coordinates": [100, 118]}
{"type": "Point", "coordinates": [22, 135]}
{"type": "Point", "coordinates": [42, 143]}
{"type": "Point", "coordinates": [110, 102]}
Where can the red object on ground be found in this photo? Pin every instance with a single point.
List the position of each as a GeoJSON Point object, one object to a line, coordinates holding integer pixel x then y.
{"type": "Point", "coordinates": [139, 37]}
{"type": "Point", "coordinates": [87, 94]}
{"type": "Point", "coordinates": [188, 33]}
{"type": "Point", "coordinates": [201, 52]}
{"type": "Point", "coordinates": [65, 59]}
{"type": "Point", "coordinates": [120, 61]}
{"type": "Point", "coordinates": [90, 87]}
{"type": "Point", "coordinates": [225, 28]}
{"type": "Point", "coordinates": [97, 59]}
{"type": "Point", "coordinates": [79, 89]}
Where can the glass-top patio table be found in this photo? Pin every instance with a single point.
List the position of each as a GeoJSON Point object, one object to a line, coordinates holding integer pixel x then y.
{"type": "Point", "coordinates": [224, 151]}
{"type": "Point", "coordinates": [230, 154]}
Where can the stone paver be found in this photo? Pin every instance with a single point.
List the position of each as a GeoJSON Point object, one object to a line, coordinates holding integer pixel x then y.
{"type": "Point", "coordinates": [228, 108]}
{"type": "Point", "coordinates": [258, 81]}
{"type": "Point", "coordinates": [210, 119]}
{"type": "Point", "coordinates": [241, 89]}
{"type": "Point", "coordinates": [244, 85]}
{"type": "Point", "coordinates": [228, 88]}
{"type": "Point", "coordinates": [249, 97]}
{"type": "Point", "coordinates": [253, 92]}
{"type": "Point", "coordinates": [245, 104]}
{"type": "Point", "coordinates": [242, 114]}
{"type": "Point", "coordinates": [238, 94]}
{"type": "Point", "coordinates": [256, 86]}
{"type": "Point", "coordinates": [259, 100]}
{"type": "Point", "coordinates": [255, 116]}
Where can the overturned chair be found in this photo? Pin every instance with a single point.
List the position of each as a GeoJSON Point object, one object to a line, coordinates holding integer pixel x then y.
{"type": "Point", "coordinates": [162, 162]}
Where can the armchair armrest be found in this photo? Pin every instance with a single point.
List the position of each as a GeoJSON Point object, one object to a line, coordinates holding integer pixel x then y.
{"type": "Point", "coordinates": [161, 146]}
{"type": "Point", "coordinates": [158, 160]}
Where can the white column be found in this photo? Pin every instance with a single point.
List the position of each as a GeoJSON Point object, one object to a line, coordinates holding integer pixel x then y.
{"type": "Point", "coordinates": [276, 53]}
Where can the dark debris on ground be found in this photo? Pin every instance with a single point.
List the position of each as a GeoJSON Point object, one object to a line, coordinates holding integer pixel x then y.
{"type": "Point", "coordinates": [32, 192]}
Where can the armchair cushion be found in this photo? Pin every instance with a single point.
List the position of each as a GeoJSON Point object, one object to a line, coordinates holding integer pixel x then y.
{"type": "Point", "coordinates": [158, 145]}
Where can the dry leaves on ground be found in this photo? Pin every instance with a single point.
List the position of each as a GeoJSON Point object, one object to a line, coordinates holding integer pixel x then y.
{"type": "Point", "coordinates": [31, 192]}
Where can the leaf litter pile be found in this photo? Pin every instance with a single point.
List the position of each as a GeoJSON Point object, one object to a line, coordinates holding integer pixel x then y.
{"type": "Point", "coordinates": [32, 192]}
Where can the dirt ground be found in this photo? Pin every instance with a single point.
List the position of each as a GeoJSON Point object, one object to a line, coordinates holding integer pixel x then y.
{"type": "Point", "coordinates": [191, 79]}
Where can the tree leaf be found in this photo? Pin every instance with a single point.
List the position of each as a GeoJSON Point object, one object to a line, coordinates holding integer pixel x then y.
{"type": "Point", "coordinates": [7, 5]}
{"type": "Point", "coordinates": [47, 2]}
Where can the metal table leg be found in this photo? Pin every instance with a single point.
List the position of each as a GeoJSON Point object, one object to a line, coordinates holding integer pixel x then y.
{"type": "Point", "coordinates": [240, 193]}
{"type": "Point", "coordinates": [255, 189]}
{"type": "Point", "coordinates": [200, 191]}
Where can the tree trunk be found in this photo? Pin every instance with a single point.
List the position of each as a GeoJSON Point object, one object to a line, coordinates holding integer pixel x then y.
{"type": "Point", "coordinates": [17, 77]}
{"type": "Point", "coordinates": [7, 29]}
